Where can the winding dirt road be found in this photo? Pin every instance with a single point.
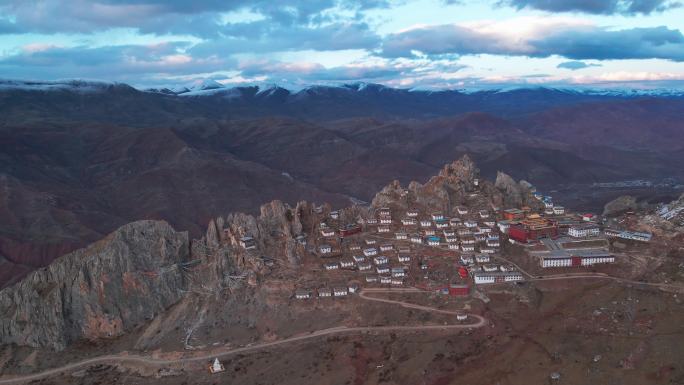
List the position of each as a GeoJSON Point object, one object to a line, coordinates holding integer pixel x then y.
{"type": "Point", "coordinates": [137, 359]}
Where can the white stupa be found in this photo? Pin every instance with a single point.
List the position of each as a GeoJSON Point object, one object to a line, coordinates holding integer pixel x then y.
{"type": "Point", "coordinates": [216, 367]}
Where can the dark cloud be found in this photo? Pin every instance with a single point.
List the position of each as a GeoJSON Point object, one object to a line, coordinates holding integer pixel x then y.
{"type": "Point", "coordinates": [578, 42]}
{"type": "Point", "coordinates": [604, 7]}
{"type": "Point", "coordinates": [600, 44]}
{"type": "Point", "coordinates": [263, 37]}
{"type": "Point", "coordinates": [198, 17]}
{"type": "Point", "coordinates": [576, 65]}
{"type": "Point", "coordinates": [123, 63]}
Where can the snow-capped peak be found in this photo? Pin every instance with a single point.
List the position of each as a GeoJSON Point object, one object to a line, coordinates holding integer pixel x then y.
{"type": "Point", "coordinates": [205, 84]}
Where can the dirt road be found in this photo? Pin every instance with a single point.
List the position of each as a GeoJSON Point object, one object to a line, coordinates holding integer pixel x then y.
{"type": "Point", "coordinates": [123, 359]}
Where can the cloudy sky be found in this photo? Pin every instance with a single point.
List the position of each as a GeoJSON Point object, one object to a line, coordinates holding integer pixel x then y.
{"type": "Point", "coordinates": [427, 44]}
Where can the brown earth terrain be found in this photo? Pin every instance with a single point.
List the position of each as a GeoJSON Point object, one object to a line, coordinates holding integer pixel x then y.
{"type": "Point", "coordinates": [171, 305]}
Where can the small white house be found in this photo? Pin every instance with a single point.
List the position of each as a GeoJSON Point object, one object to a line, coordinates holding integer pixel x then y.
{"type": "Point", "coordinates": [461, 317]}
{"type": "Point", "coordinates": [409, 222]}
{"type": "Point", "coordinates": [328, 232]}
{"type": "Point", "coordinates": [383, 229]}
{"type": "Point", "coordinates": [325, 249]}
{"type": "Point", "coordinates": [433, 241]}
{"type": "Point", "coordinates": [397, 281]}
{"type": "Point", "coordinates": [334, 214]}
{"type": "Point", "coordinates": [370, 252]}
{"type": "Point", "coordinates": [331, 266]}
{"type": "Point", "coordinates": [401, 236]}
{"type": "Point", "coordinates": [404, 258]}
{"type": "Point", "coordinates": [487, 250]}
{"type": "Point", "coordinates": [449, 233]}
{"type": "Point", "coordinates": [415, 238]}
{"type": "Point", "coordinates": [302, 294]}
{"type": "Point", "coordinates": [451, 239]}
{"type": "Point", "coordinates": [385, 221]}
{"type": "Point", "coordinates": [340, 292]}
{"type": "Point", "coordinates": [412, 213]}
{"type": "Point", "coordinates": [470, 224]}
{"type": "Point", "coordinates": [386, 248]}
{"type": "Point", "coordinates": [359, 258]}
{"type": "Point", "coordinates": [371, 221]}
{"type": "Point", "coordinates": [325, 292]}
{"type": "Point", "coordinates": [385, 279]}
{"type": "Point", "coordinates": [442, 224]}
{"type": "Point", "coordinates": [484, 214]}
{"type": "Point", "coordinates": [382, 269]}
{"type": "Point", "coordinates": [467, 248]}
{"type": "Point", "coordinates": [347, 263]}
{"type": "Point", "coordinates": [493, 242]}
{"type": "Point", "coordinates": [453, 246]}
{"type": "Point", "coordinates": [467, 259]}
{"type": "Point", "coordinates": [462, 210]}
{"type": "Point", "coordinates": [370, 241]}
{"type": "Point", "coordinates": [398, 272]}
{"type": "Point", "coordinates": [490, 268]}
{"type": "Point", "coordinates": [482, 258]}
{"type": "Point", "coordinates": [428, 232]}
{"type": "Point", "coordinates": [364, 266]}
{"type": "Point", "coordinates": [437, 216]}
{"type": "Point", "coordinates": [381, 260]}
{"type": "Point", "coordinates": [425, 223]}
{"type": "Point", "coordinates": [489, 223]}
{"type": "Point", "coordinates": [559, 210]}
{"type": "Point", "coordinates": [468, 241]}
{"type": "Point", "coordinates": [371, 278]}
{"type": "Point", "coordinates": [504, 226]}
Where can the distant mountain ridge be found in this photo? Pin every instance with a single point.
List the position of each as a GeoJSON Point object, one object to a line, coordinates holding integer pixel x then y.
{"type": "Point", "coordinates": [79, 158]}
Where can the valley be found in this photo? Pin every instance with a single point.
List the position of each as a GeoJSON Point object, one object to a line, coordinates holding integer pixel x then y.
{"type": "Point", "coordinates": [79, 160]}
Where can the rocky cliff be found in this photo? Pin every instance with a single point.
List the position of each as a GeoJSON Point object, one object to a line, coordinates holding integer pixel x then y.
{"type": "Point", "coordinates": [453, 186]}
{"type": "Point", "coordinates": [101, 291]}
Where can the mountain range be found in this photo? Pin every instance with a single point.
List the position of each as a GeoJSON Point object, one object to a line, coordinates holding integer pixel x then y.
{"type": "Point", "coordinates": [79, 158]}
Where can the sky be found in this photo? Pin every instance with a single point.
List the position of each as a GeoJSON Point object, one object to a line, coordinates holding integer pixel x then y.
{"type": "Point", "coordinates": [421, 44]}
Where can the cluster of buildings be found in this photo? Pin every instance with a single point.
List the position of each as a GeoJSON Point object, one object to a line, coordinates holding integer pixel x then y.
{"type": "Point", "coordinates": [468, 232]}
{"type": "Point", "coordinates": [326, 292]}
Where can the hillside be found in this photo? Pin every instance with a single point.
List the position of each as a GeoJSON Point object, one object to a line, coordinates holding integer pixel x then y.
{"type": "Point", "coordinates": [79, 159]}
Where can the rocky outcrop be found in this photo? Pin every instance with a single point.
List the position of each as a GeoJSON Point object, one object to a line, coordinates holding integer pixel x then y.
{"type": "Point", "coordinates": [442, 192]}
{"type": "Point", "coordinates": [275, 230]}
{"type": "Point", "coordinates": [512, 195]}
{"type": "Point", "coordinates": [101, 291]}
{"type": "Point", "coordinates": [620, 205]}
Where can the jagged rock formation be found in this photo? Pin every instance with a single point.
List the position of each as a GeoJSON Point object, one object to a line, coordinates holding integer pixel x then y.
{"type": "Point", "coordinates": [442, 192]}
{"type": "Point", "coordinates": [452, 186]}
{"type": "Point", "coordinates": [101, 291]}
{"type": "Point", "coordinates": [278, 225]}
{"type": "Point", "coordinates": [512, 196]}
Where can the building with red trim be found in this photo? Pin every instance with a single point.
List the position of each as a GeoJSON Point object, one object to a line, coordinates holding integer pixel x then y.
{"type": "Point", "coordinates": [533, 228]}
{"type": "Point", "coordinates": [459, 289]}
